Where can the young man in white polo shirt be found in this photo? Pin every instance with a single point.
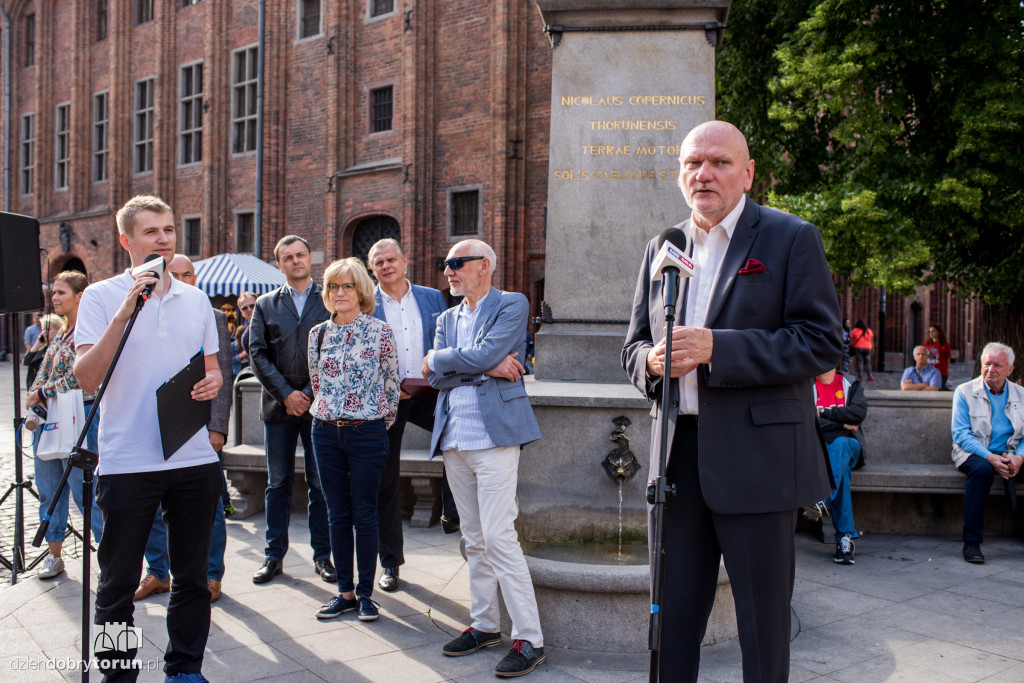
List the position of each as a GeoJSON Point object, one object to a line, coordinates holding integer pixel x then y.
{"type": "Point", "coordinates": [134, 478]}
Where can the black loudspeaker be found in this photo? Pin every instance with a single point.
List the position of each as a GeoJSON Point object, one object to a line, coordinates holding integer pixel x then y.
{"type": "Point", "coordinates": [21, 280]}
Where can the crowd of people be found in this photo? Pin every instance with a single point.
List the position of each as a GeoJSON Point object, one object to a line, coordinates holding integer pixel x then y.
{"type": "Point", "coordinates": [345, 364]}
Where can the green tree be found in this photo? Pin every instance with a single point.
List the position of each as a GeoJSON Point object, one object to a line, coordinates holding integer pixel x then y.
{"type": "Point", "coordinates": [898, 128]}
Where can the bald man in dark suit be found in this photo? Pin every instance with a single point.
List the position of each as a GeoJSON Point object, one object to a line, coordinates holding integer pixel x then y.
{"type": "Point", "coordinates": [755, 324]}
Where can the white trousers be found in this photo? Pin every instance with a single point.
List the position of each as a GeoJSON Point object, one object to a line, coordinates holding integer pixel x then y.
{"type": "Point", "coordinates": [483, 483]}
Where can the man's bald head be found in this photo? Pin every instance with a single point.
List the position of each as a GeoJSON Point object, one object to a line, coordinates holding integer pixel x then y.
{"type": "Point", "coordinates": [715, 169]}
{"type": "Point", "coordinates": [181, 268]}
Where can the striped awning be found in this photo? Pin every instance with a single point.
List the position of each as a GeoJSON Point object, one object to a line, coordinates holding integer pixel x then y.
{"type": "Point", "coordinates": [232, 274]}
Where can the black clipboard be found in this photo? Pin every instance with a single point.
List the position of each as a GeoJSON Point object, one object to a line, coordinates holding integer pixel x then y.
{"type": "Point", "coordinates": [179, 414]}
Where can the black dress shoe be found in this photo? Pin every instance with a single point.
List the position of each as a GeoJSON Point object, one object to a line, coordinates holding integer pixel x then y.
{"type": "Point", "coordinates": [268, 571]}
{"type": "Point", "coordinates": [972, 553]}
{"type": "Point", "coordinates": [449, 526]}
{"type": "Point", "coordinates": [388, 581]}
{"type": "Point", "coordinates": [326, 571]}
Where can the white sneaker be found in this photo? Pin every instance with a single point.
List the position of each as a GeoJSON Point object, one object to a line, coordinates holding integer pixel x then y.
{"type": "Point", "coordinates": [52, 566]}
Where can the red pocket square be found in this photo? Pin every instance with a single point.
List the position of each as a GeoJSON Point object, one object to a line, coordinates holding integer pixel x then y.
{"type": "Point", "coordinates": [753, 266]}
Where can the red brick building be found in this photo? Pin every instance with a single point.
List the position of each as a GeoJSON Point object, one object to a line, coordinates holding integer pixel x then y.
{"type": "Point", "coordinates": [423, 120]}
{"type": "Point", "coordinates": [426, 121]}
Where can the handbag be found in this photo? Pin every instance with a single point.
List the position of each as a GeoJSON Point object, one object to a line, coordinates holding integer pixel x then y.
{"type": "Point", "coordinates": [65, 417]}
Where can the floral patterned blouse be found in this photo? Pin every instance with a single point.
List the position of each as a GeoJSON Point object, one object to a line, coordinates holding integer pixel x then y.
{"type": "Point", "coordinates": [354, 373]}
{"type": "Point", "coordinates": [56, 372]}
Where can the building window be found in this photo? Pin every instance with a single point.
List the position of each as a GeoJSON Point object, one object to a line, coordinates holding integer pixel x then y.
{"type": "Point", "coordinates": [143, 126]}
{"type": "Point", "coordinates": [309, 18]}
{"type": "Point", "coordinates": [102, 13]}
{"type": "Point", "coordinates": [381, 109]}
{"type": "Point", "coordinates": [143, 11]}
{"type": "Point", "coordinates": [243, 102]}
{"type": "Point", "coordinates": [189, 3]}
{"type": "Point", "coordinates": [464, 212]}
{"type": "Point", "coordinates": [379, 7]}
{"type": "Point", "coordinates": [30, 39]}
{"type": "Point", "coordinates": [62, 149]}
{"type": "Point", "coordinates": [192, 236]}
{"type": "Point", "coordinates": [244, 230]}
{"type": "Point", "coordinates": [100, 145]}
{"type": "Point", "coordinates": [191, 116]}
{"type": "Point", "coordinates": [28, 152]}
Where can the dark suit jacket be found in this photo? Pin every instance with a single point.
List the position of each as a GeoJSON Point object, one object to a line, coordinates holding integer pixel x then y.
{"type": "Point", "coordinates": [759, 449]}
{"type": "Point", "coordinates": [277, 347]}
{"type": "Point", "coordinates": [220, 406]}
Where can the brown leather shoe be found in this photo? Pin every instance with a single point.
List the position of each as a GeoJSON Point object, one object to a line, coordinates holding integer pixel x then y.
{"type": "Point", "coordinates": [151, 585]}
{"type": "Point", "coordinates": [214, 590]}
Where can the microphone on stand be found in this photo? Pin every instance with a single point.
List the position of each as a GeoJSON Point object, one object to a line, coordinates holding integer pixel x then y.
{"type": "Point", "coordinates": [150, 267]}
{"type": "Point", "coordinates": [670, 264]}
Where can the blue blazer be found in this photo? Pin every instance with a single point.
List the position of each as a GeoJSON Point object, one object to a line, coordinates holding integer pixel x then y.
{"type": "Point", "coordinates": [431, 303]}
{"type": "Point", "coordinates": [500, 330]}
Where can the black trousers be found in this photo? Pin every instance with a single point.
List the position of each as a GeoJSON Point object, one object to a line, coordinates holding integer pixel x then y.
{"type": "Point", "coordinates": [419, 411]}
{"type": "Point", "coordinates": [189, 497]}
{"type": "Point", "coordinates": [760, 558]}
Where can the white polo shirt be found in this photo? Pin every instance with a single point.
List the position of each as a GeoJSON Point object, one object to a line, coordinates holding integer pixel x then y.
{"type": "Point", "coordinates": [170, 329]}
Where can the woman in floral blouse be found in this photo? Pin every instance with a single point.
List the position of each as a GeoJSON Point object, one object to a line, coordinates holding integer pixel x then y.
{"type": "Point", "coordinates": [56, 376]}
{"type": "Point", "coordinates": [353, 369]}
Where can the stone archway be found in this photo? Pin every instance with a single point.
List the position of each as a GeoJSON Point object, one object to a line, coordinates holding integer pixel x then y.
{"type": "Point", "coordinates": [74, 263]}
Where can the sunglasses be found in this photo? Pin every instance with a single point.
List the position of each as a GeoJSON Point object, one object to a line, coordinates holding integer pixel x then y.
{"type": "Point", "coordinates": [248, 307]}
{"type": "Point", "coordinates": [345, 287]}
{"type": "Point", "coordinates": [459, 261]}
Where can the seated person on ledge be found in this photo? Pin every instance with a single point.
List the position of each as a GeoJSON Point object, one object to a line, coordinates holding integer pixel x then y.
{"type": "Point", "coordinates": [988, 422]}
{"type": "Point", "coordinates": [921, 376]}
{"type": "Point", "coordinates": [841, 409]}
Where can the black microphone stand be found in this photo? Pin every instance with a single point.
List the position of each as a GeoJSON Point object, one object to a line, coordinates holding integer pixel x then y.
{"type": "Point", "coordinates": [86, 461]}
{"type": "Point", "coordinates": [659, 490]}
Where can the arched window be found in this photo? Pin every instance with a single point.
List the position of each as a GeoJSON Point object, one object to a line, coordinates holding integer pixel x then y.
{"type": "Point", "coordinates": [370, 230]}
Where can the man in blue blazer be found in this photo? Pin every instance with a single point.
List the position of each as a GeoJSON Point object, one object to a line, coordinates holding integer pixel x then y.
{"type": "Point", "coordinates": [412, 312]}
{"type": "Point", "coordinates": [758, 320]}
{"type": "Point", "coordinates": [483, 417]}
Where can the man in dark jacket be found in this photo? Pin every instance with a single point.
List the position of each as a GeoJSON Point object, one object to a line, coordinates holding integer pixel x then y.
{"type": "Point", "coordinates": [278, 333]}
{"type": "Point", "coordinates": [841, 409]}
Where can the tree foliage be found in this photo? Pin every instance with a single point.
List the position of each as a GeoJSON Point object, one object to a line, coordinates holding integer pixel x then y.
{"type": "Point", "coordinates": [897, 127]}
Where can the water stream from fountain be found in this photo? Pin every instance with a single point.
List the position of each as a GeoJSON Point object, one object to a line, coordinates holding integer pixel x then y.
{"type": "Point", "coordinates": [621, 559]}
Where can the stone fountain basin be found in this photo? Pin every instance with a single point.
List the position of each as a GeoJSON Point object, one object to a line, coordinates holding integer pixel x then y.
{"type": "Point", "coordinates": [605, 608]}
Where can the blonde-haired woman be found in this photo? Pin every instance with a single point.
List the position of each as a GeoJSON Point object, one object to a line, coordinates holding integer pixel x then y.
{"type": "Point", "coordinates": [56, 376]}
{"type": "Point", "coordinates": [353, 369]}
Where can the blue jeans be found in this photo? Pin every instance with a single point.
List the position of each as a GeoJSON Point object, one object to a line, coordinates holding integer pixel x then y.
{"type": "Point", "coordinates": [351, 462]}
{"type": "Point", "coordinates": [281, 439]}
{"type": "Point", "coordinates": [157, 561]}
{"type": "Point", "coordinates": [48, 474]}
{"type": "Point", "coordinates": [842, 454]}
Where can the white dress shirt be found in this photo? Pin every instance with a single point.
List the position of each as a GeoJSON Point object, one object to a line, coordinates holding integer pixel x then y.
{"type": "Point", "coordinates": [407, 325]}
{"type": "Point", "coordinates": [708, 252]}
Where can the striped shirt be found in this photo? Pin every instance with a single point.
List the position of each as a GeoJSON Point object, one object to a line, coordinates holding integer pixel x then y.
{"type": "Point", "coordinates": [465, 428]}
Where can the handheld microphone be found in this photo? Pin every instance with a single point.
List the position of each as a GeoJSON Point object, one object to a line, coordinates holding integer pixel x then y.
{"type": "Point", "coordinates": [152, 265]}
{"type": "Point", "coordinates": [672, 245]}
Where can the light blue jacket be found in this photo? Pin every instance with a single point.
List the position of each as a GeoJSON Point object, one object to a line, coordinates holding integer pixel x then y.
{"type": "Point", "coordinates": [500, 330]}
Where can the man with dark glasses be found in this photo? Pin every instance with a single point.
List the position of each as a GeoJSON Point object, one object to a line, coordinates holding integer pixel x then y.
{"type": "Point", "coordinates": [483, 418]}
